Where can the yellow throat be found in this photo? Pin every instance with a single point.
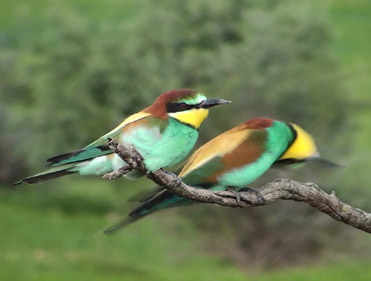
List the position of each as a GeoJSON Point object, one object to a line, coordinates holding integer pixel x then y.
{"type": "Point", "coordinates": [302, 147]}
{"type": "Point", "coordinates": [193, 117]}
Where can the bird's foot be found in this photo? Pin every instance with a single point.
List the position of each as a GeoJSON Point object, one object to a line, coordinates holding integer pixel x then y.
{"type": "Point", "coordinates": [255, 191]}
{"type": "Point", "coordinates": [236, 194]}
{"type": "Point", "coordinates": [117, 173]}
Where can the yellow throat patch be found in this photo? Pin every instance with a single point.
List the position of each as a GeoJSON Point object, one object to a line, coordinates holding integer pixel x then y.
{"type": "Point", "coordinates": [303, 146]}
{"type": "Point", "coordinates": [193, 117]}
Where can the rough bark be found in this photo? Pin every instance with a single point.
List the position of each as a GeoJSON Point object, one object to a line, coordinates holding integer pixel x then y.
{"type": "Point", "coordinates": [280, 189]}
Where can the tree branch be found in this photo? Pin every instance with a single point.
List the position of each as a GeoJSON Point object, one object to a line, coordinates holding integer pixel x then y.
{"type": "Point", "coordinates": [283, 189]}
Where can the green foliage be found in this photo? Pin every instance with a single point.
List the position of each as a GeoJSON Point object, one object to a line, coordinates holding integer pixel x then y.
{"type": "Point", "coordinates": [74, 82]}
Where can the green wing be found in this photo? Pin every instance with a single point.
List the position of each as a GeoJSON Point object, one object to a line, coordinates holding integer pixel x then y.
{"type": "Point", "coordinates": [98, 147]}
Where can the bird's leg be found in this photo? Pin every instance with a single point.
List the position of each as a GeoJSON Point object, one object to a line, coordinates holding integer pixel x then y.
{"type": "Point", "coordinates": [238, 197]}
{"type": "Point", "coordinates": [117, 173]}
{"type": "Point", "coordinates": [253, 190]}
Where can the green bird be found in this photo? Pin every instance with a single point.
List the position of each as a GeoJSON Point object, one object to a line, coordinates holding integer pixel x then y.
{"type": "Point", "coordinates": [163, 133]}
{"type": "Point", "coordinates": [233, 159]}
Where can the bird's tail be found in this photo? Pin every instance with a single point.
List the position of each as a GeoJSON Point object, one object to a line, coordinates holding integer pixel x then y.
{"type": "Point", "coordinates": [162, 200]}
{"type": "Point", "coordinates": [69, 163]}
{"type": "Point", "coordinates": [54, 172]}
{"type": "Point", "coordinates": [145, 195]}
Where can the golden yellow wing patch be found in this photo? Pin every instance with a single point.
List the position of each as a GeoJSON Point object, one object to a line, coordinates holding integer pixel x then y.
{"type": "Point", "coordinates": [218, 146]}
{"type": "Point", "coordinates": [130, 119]}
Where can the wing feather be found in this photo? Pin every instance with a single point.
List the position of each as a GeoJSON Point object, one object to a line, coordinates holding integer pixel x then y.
{"type": "Point", "coordinates": [116, 131]}
{"type": "Point", "coordinates": [98, 147]}
{"type": "Point", "coordinates": [230, 150]}
{"type": "Point", "coordinates": [217, 147]}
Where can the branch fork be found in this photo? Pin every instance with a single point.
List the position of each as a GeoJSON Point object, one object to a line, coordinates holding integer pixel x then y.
{"type": "Point", "coordinates": [280, 189]}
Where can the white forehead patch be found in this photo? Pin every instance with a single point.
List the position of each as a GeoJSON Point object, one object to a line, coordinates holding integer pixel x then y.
{"type": "Point", "coordinates": [200, 98]}
{"type": "Point", "coordinates": [197, 99]}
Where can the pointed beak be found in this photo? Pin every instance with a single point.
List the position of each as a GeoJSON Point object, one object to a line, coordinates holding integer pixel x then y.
{"type": "Point", "coordinates": [212, 102]}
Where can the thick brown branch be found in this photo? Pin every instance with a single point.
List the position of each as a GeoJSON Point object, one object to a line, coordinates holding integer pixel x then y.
{"type": "Point", "coordinates": [284, 189]}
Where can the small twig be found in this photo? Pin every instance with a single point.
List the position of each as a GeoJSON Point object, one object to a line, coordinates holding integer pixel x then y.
{"type": "Point", "coordinates": [281, 189]}
{"type": "Point", "coordinates": [117, 173]}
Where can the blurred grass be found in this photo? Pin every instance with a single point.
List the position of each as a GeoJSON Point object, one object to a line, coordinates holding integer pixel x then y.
{"type": "Point", "coordinates": [43, 245]}
{"type": "Point", "coordinates": [350, 270]}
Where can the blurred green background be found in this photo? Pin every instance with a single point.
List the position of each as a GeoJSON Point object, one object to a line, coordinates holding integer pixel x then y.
{"type": "Point", "coordinates": [71, 70]}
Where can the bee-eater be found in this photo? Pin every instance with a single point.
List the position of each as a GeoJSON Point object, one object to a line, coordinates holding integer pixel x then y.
{"type": "Point", "coordinates": [163, 133]}
{"type": "Point", "coordinates": [233, 159]}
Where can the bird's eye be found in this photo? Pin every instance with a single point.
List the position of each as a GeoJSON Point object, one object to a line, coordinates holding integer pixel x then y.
{"type": "Point", "coordinates": [183, 105]}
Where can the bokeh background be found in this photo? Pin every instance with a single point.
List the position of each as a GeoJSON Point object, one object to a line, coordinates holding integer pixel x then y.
{"type": "Point", "coordinates": [70, 70]}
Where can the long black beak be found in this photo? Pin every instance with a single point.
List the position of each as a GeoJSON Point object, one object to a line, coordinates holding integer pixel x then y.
{"type": "Point", "coordinates": [212, 102]}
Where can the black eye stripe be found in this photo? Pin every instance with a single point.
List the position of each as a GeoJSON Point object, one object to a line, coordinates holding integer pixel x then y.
{"type": "Point", "coordinates": [183, 105]}
{"type": "Point", "coordinates": [177, 107]}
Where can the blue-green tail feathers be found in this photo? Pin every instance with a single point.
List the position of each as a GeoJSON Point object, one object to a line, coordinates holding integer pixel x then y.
{"type": "Point", "coordinates": [65, 163]}
{"type": "Point", "coordinates": [51, 173]}
{"type": "Point", "coordinates": [162, 200]}
{"type": "Point", "coordinates": [145, 195]}
{"type": "Point", "coordinates": [120, 224]}
{"type": "Point", "coordinates": [79, 155]}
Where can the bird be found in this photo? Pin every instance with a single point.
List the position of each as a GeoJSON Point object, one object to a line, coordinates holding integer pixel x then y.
{"type": "Point", "coordinates": [163, 133]}
{"type": "Point", "coordinates": [231, 161]}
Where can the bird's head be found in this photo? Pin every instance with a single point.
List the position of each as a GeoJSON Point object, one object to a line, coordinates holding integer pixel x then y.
{"type": "Point", "coordinates": [302, 146]}
{"type": "Point", "coordinates": [185, 105]}
{"type": "Point", "coordinates": [303, 149]}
